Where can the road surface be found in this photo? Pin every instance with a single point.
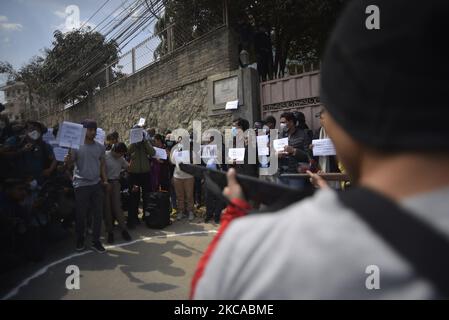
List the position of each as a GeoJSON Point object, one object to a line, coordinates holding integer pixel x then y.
{"type": "Point", "coordinates": [157, 264]}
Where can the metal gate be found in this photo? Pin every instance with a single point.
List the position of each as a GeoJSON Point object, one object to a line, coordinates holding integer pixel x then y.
{"type": "Point", "coordinates": [294, 93]}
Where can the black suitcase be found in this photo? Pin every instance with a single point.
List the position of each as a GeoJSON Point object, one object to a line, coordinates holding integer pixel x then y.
{"type": "Point", "coordinates": [157, 211]}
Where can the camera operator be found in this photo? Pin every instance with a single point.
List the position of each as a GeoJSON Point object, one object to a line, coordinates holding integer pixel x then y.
{"type": "Point", "coordinates": [396, 151]}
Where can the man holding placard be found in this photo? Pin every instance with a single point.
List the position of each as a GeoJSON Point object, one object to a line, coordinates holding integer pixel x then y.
{"type": "Point", "coordinates": [291, 148]}
{"type": "Point", "coordinates": [89, 178]}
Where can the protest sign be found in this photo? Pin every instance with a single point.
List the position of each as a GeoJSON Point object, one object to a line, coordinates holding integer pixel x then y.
{"type": "Point", "coordinates": [323, 147]}
{"type": "Point", "coordinates": [48, 136]}
{"type": "Point", "coordinates": [135, 135]}
{"type": "Point", "coordinates": [60, 153]}
{"type": "Point", "coordinates": [100, 137]}
{"type": "Point", "coordinates": [236, 154]}
{"type": "Point", "coordinates": [160, 153]}
{"type": "Point", "coordinates": [209, 151]}
{"type": "Point", "coordinates": [71, 135]}
{"type": "Point", "coordinates": [182, 156]}
{"type": "Point", "coordinates": [141, 122]}
{"type": "Point", "coordinates": [262, 145]}
{"type": "Point", "coordinates": [279, 144]}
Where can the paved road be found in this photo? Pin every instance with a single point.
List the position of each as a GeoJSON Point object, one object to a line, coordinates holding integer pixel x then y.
{"type": "Point", "coordinates": [156, 265]}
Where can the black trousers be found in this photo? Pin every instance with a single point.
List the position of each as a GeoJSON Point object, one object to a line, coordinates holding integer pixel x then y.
{"type": "Point", "coordinates": [214, 206]}
{"type": "Point", "coordinates": [143, 181]}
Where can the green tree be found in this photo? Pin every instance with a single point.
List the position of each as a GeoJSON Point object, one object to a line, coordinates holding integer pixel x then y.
{"type": "Point", "coordinates": [73, 67]}
{"type": "Point", "coordinates": [189, 19]}
{"type": "Point", "coordinates": [298, 28]}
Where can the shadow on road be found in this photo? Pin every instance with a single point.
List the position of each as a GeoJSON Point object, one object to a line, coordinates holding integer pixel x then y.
{"type": "Point", "coordinates": [139, 262]}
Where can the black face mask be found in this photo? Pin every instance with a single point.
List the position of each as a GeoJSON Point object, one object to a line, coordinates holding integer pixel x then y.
{"type": "Point", "coordinates": [169, 143]}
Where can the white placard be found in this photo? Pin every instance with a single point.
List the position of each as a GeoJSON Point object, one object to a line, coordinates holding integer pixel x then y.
{"type": "Point", "coordinates": [48, 136]}
{"type": "Point", "coordinates": [182, 156]}
{"type": "Point", "coordinates": [71, 135]}
{"type": "Point", "coordinates": [262, 145]}
{"type": "Point", "coordinates": [237, 154]}
{"type": "Point", "coordinates": [160, 153]}
{"type": "Point", "coordinates": [135, 135]}
{"type": "Point", "coordinates": [60, 153]}
{"type": "Point", "coordinates": [279, 144]}
{"type": "Point", "coordinates": [100, 137]}
{"type": "Point", "coordinates": [323, 147]}
{"type": "Point", "coordinates": [209, 151]}
{"type": "Point", "coordinates": [230, 105]}
{"type": "Point", "coordinates": [141, 122]}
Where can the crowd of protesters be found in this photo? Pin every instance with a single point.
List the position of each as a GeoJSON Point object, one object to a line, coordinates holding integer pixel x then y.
{"type": "Point", "coordinates": [43, 199]}
{"type": "Point", "coordinates": [394, 215]}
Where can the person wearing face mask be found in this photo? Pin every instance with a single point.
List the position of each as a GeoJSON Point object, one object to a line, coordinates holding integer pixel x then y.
{"type": "Point", "coordinates": [295, 152]}
{"type": "Point", "coordinates": [170, 142]}
{"type": "Point", "coordinates": [35, 158]}
{"type": "Point", "coordinates": [262, 128]}
{"type": "Point", "coordinates": [183, 182]}
{"type": "Point", "coordinates": [240, 139]}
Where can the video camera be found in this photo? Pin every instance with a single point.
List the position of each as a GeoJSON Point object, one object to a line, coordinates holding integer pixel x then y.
{"type": "Point", "coordinates": [274, 196]}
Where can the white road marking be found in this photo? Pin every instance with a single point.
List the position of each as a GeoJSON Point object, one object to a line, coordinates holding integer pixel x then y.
{"type": "Point", "coordinates": [43, 270]}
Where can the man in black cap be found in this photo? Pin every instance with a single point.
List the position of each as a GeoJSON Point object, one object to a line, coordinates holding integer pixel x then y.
{"type": "Point", "coordinates": [388, 236]}
{"type": "Point", "coordinates": [89, 178]}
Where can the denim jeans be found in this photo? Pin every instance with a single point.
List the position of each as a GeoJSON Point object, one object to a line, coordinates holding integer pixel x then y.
{"type": "Point", "coordinates": [293, 182]}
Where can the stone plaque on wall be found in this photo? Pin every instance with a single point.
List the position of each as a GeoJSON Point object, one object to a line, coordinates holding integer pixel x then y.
{"type": "Point", "coordinates": [226, 90]}
{"type": "Point", "coordinates": [242, 85]}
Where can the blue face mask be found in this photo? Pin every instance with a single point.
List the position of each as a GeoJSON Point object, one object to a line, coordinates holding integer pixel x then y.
{"type": "Point", "coordinates": [234, 131]}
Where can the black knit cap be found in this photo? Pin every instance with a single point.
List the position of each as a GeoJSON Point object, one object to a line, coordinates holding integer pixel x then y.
{"type": "Point", "coordinates": [389, 88]}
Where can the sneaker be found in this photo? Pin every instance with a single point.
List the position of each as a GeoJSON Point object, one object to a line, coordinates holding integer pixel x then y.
{"type": "Point", "coordinates": [110, 237]}
{"type": "Point", "coordinates": [97, 246]}
{"type": "Point", "coordinates": [126, 236]}
{"type": "Point", "coordinates": [80, 244]}
{"type": "Point", "coordinates": [191, 216]}
{"type": "Point", "coordinates": [179, 216]}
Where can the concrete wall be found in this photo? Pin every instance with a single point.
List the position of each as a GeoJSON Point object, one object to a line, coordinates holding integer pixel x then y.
{"type": "Point", "coordinates": [169, 93]}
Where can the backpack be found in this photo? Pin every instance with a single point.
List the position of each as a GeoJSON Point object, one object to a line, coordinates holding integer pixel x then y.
{"type": "Point", "coordinates": [157, 211]}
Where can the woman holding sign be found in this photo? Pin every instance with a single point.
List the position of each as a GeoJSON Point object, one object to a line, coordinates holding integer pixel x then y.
{"type": "Point", "coordinates": [183, 182]}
